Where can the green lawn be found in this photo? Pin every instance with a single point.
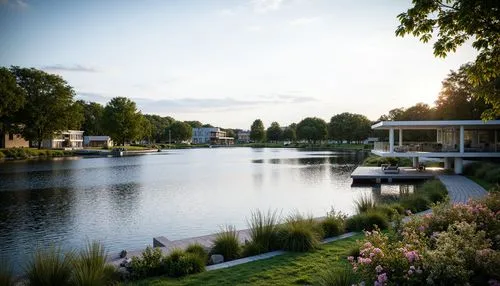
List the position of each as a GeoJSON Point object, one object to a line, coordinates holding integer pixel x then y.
{"type": "Point", "coordinates": [287, 269]}
{"type": "Point", "coordinates": [483, 183]}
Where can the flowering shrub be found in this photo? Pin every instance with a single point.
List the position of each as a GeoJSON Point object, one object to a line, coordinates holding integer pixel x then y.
{"type": "Point", "coordinates": [454, 245]}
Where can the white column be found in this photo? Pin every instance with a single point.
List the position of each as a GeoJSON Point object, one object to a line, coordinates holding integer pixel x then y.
{"type": "Point", "coordinates": [391, 140]}
{"type": "Point", "coordinates": [415, 162]}
{"type": "Point", "coordinates": [400, 137]}
{"type": "Point", "coordinates": [461, 140]}
{"type": "Point", "coordinates": [459, 165]}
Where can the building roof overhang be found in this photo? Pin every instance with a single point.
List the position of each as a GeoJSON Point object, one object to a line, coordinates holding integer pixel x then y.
{"type": "Point", "coordinates": [436, 124]}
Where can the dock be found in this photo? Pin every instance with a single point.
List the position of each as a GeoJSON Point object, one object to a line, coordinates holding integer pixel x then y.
{"type": "Point", "coordinates": [405, 174]}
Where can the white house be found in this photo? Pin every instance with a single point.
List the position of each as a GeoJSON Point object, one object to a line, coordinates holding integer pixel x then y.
{"type": "Point", "coordinates": [97, 141]}
{"type": "Point", "coordinates": [211, 135]}
{"type": "Point", "coordinates": [72, 139]}
{"type": "Point", "coordinates": [244, 136]}
{"type": "Point", "coordinates": [455, 140]}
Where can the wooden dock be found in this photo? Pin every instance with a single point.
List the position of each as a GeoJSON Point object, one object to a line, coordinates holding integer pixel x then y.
{"type": "Point", "coordinates": [405, 173]}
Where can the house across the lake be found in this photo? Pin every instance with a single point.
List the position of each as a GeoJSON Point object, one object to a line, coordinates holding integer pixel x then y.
{"type": "Point", "coordinates": [455, 140]}
{"type": "Point", "coordinates": [97, 141]}
{"type": "Point", "coordinates": [72, 139]}
{"type": "Point", "coordinates": [12, 140]}
{"type": "Point", "coordinates": [211, 135]}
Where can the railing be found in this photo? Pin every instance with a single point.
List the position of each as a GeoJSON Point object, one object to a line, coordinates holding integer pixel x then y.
{"type": "Point", "coordinates": [436, 147]}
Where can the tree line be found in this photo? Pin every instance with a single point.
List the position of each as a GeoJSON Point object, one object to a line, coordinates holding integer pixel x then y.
{"type": "Point", "coordinates": [37, 105]}
{"type": "Point", "coordinates": [456, 101]}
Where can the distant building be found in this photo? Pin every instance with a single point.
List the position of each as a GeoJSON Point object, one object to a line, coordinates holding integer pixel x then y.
{"type": "Point", "coordinates": [244, 136]}
{"type": "Point", "coordinates": [11, 140]}
{"type": "Point", "coordinates": [211, 135]}
{"type": "Point", "coordinates": [97, 141]}
{"type": "Point", "coordinates": [66, 139]}
{"type": "Point", "coordinates": [371, 140]}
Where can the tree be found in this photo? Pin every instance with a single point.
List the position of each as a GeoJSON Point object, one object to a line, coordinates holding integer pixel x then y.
{"type": "Point", "coordinates": [180, 131]}
{"type": "Point", "coordinates": [158, 126]}
{"type": "Point", "coordinates": [349, 127]}
{"type": "Point", "coordinates": [456, 100]}
{"type": "Point", "coordinates": [194, 124]}
{"type": "Point", "coordinates": [230, 133]}
{"type": "Point", "coordinates": [274, 132]}
{"type": "Point", "coordinates": [456, 21]}
{"type": "Point", "coordinates": [121, 120]}
{"type": "Point", "coordinates": [49, 104]}
{"type": "Point", "coordinates": [289, 134]}
{"type": "Point", "coordinates": [12, 97]}
{"type": "Point", "coordinates": [257, 132]}
{"type": "Point", "coordinates": [92, 117]}
{"type": "Point", "coordinates": [312, 129]}
{"type": "Point", "coordinates": [146, 130]}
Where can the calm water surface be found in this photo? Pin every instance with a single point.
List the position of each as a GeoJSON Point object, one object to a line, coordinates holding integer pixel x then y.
{"type": "Point", "coordinates": [126, 201]}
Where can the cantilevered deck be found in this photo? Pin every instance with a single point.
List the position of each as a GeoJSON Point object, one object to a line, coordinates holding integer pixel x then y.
{"type": "Point", "coordinates": [376, 174]}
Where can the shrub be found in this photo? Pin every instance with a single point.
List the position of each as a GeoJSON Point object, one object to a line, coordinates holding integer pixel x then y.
{"type": "Point", "coordinates": [482, 169]}
{"type": "Point", "coordinates": [2, 155]}
{"type": "Point", "coordinates": [263, 232]}
{"type": "Point", "coordinates": [337, 277]}
{"type": "Point", "coordinates": [433, 190]}
{"type": "Point", "coordinates": [179, 263]}
{"type": "Point", "coordinates": [50, 267]}
{"type": "Point", "coordinates": [470, 169]}
{"type": "Point", "coordinates": [6, 274]}
{"type": "Point", "coordinates": [367, 221]}
{"type": "Point", "coordinates": [364, 203]}
{"type": "Point", "coordinates": [334, 223]}
{"type": "Point", "coordinates": [299, 234]}
{"type": "Point", "coordinates": [198, 249]}
{"type": "Point", "coordinates": [90, 267]}
{"type": "Point", "coordinates": [227, 244]}
{"type": "Point", "coordinates": [493, 176]}
{"type": "Point", "coordinates": [149, 264]}
{"type": "Point", "coordinates": [415, 203]}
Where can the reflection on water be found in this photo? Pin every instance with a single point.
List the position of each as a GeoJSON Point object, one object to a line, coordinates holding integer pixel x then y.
{"type": "Point", "coordinates": [125, 202]}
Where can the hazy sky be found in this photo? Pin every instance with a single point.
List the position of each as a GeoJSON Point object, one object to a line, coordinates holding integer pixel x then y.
{"type": "Point", "coordinates": [229, 62]}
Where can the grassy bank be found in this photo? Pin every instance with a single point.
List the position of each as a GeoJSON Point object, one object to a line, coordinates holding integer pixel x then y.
{"type": "Point", "coordinates": [308, 146]}
{"type": "Point", "coordinates": [32, 153]}
{"type": "Point", "coordinates": [486, 174]}
{"type": "Point", "coordinates": [290, 268]}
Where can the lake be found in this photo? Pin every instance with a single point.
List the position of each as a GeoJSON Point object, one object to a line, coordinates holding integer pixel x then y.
{"type": "Point", "coordinates": [126, 201]}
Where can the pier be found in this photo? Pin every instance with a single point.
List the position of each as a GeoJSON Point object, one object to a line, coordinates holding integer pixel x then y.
{"type": "Point", "coordinates": [377, 175]}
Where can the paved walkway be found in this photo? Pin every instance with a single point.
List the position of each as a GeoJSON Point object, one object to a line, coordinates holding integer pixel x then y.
{"type": "Point", "coordinates": [461, 188]}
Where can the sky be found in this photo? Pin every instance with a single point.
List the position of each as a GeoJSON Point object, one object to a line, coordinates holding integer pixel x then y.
{"type": "Point", "coordinates": [229, 62]}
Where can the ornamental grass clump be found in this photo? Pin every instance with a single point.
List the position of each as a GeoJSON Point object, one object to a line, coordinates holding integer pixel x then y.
{"type": "Point", "coordinates": [299, 233]}
{"type": "Point", "coordinates": [90, 266]}
{"type": "Point", "coordinates": [51, 266]}
{"type": "Point", "coordinates": [263, 232]}
{"type": "Point", "coordinates": [227, 243]}
{"type": "Point", "coordinates": [6, 274]}
{"type": "Point", "coordinates": [367, 221]}
{"type": "Point", "coordinates": [199, 250]}
{"type": "Point", "coordinates": [364, 204]}
{"type": "Point", "coordinates": [334, 223]}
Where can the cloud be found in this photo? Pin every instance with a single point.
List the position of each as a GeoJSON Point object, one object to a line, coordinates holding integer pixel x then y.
{"type": "Point", "coordinates": [263, 6]}
{"type": "Point", "coordinates": [218, 104]}
{"type": "Point", "coordinates": [73, 68]}
{"type": "Point", "coordinates": [254, 28]}
{"type": "Point", "coordinates": [304, 21]}
{"type": "Point", "coordinates": [226, 12]}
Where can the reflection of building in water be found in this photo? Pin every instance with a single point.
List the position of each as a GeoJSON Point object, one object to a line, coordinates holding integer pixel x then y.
{"type": "Point", "coordinates": [388, 191]}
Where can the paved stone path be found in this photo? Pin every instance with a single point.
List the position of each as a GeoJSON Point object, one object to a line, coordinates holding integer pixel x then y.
{"type": "Point", "coordinates": [461, 188]}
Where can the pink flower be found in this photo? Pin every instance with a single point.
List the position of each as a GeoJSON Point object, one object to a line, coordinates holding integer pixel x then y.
{"type": "Point", "coordinates": [382, 278]}
{"type": "Point", "coordinates": [410, 272]}
{"type": "Point", "coordinates": [379, 268]}
{"type": "Point", "coordinates": [411, 256]}
{"type": "Point", "coordinates": [350, 258]}
{"type": "Point", "coordinates": [421, 228]}
{"type": "Point", "coordinates": [408, 212]}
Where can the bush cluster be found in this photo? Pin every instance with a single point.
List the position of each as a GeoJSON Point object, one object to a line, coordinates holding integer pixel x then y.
{"type": "Point", "coordinates": [333, 224]}
{"type": "Point", "coordinates": [26, 153]}
{"type": "Point", "coordinates": [488, 172]}
{"type": "Point", "coordinates": [227, 244]}
{"type": "Point", "coordinates": [377, 161]}
{"type": "Point", "coordinates": [178, 263]}
{"type": "Point", "coordinates": [456, 244]}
